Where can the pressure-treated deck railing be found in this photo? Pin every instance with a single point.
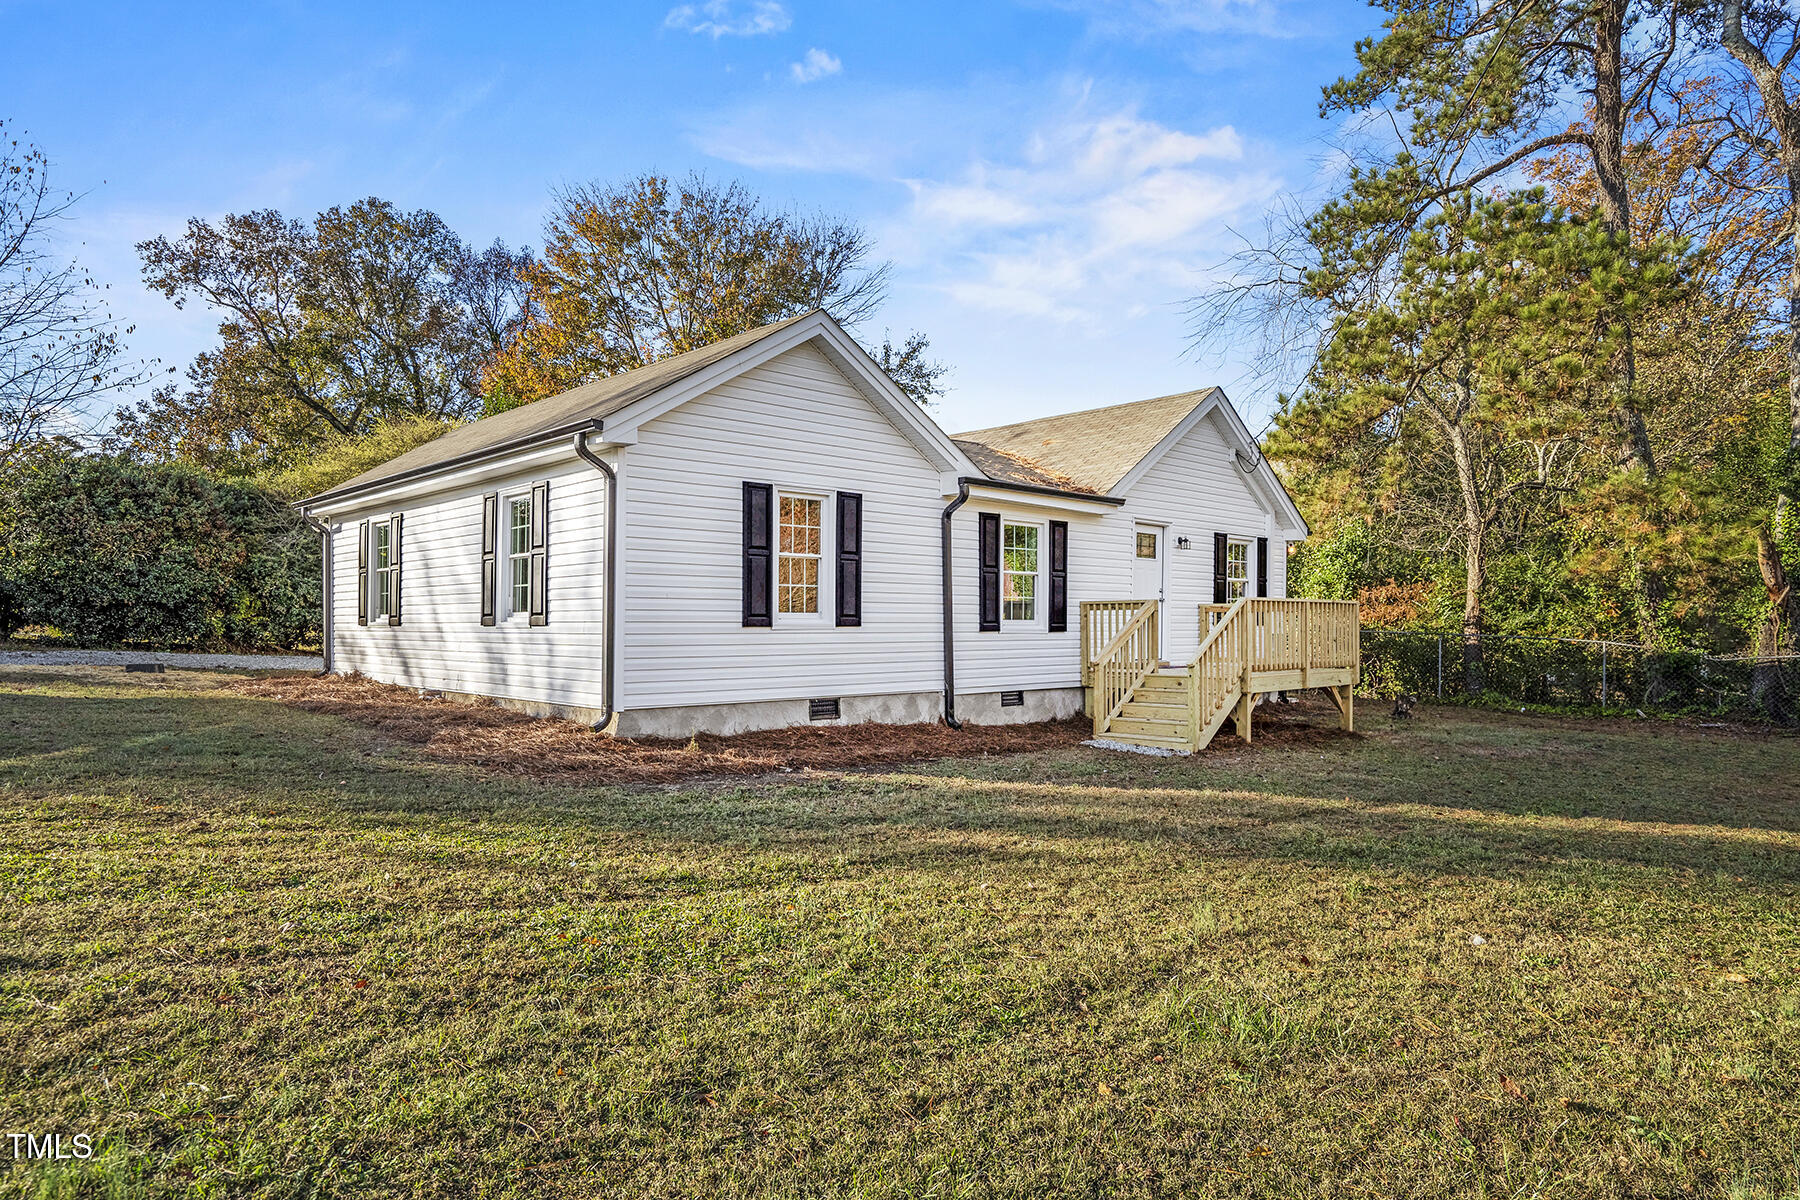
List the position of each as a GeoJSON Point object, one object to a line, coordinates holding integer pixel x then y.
{"type": "Point", "coordinates": [1218, 675]}
{"type": "Point", "coordinates": [1101, 622]}
{"type": "Point", "coordinates": [1255, 644]}
{"type": "Point", "coordinates": [1123, 663]}
{"type": "Point", "coordinates": [1294, 635]}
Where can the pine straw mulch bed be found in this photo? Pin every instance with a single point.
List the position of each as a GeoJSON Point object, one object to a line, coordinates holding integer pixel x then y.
{"type": "Point", "coordinates": [486, 735]}
{"type": "Point", "coordinates": [500, 739]}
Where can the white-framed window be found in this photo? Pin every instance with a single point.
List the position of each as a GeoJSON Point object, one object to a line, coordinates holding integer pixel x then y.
{"type": "Point", "coordinates": [515, 518]}
{"type": "Point", "coordinates": [799, 553]}
{"type": "Point", "coordinates": [381, 569]}
{"type": "Point", "coordinates": [1237, 569]}
{"type": "Point", "coordinates": [1020, 561]}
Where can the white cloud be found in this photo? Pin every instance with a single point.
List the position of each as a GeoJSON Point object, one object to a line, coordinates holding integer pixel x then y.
{"type": "Point", "coordinates": [727, 18]}
{"type": "Point", "coordinates": [1092, 215]}
{"type": "Point", "coordinates": [816, 64]}
{"type": "Point", "coordinates": [1046, 238]}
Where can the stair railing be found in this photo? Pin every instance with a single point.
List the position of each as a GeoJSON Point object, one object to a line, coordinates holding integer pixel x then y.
{"type": "Point", "coordinates": [1124, 663]}
{"type": "Point", "coordinates": [1216, 676]}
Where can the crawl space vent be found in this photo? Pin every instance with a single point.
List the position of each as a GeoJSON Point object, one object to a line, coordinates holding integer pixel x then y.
{"type": "Point", "coordinates": [822, 710]}
{"type": "Point", "coordinates": [1012, 699]}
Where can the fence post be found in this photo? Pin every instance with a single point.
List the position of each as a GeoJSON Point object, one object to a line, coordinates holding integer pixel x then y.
{"type": "Point", "coordinates": [1440, 666]}
{"type": "Point", "coordinates": [1603, 649]}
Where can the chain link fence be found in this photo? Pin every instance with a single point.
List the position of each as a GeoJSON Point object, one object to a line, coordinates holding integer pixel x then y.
{"type": "Point", "coordinates": [1582, 674]}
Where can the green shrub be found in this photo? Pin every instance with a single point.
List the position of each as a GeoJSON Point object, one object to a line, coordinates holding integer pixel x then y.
{"type": "Point", "coordinates": [112, 551]}
{"type": "Point", "coordinates": [339, 458]}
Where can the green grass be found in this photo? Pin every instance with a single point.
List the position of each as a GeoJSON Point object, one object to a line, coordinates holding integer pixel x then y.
{"type": "Point", "coordinates": [257, 951]}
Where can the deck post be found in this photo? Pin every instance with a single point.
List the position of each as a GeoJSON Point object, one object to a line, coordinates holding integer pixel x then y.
{"type": "Point", "coordinates": [1347, 708]}
{"type": "Point", "coordinates": [1191, 732]}
{"type": "Point", "coordinates": [1087, 655]}
{"type": "Point", "coordinates": [1244, 705]}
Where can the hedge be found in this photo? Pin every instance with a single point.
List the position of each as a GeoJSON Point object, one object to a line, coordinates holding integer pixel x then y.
{"type": "Point", "coordinates": [110, 551]}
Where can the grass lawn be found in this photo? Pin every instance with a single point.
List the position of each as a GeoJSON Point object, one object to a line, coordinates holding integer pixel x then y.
{"type": "Point", "coordinates": [261, 951]}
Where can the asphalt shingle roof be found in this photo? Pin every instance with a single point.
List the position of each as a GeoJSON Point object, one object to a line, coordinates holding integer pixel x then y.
{"type": "Point", "coordinates": [1087, 451]}
{"type": "Point", "coordinates": [588, 402]}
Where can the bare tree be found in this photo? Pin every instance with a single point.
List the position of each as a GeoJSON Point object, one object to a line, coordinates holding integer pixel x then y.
{"type": "Point", "coordinates": [59, 346]}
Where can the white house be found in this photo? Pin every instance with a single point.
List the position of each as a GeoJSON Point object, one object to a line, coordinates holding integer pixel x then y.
{"type": "Point", "coordinates": [765, 531]}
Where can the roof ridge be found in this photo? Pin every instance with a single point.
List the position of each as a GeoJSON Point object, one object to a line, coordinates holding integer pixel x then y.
{"type": "Point", "coordinates": [1202, 393]}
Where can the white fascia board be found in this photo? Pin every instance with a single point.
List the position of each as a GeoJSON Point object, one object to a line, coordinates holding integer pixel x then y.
{"type": "Point", "coordinates": [842, 351]}
{"type": "Point", "coordinates": [1262, 480]}
{"type": "Point", "coordinates": [1008, 498]}
{"type": "Point", "coordinates": [474, 473]}
{"type": "Point", "coordinates": [905, 412]}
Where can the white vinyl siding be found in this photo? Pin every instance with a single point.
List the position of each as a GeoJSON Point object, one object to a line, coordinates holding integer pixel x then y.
{"type": "Point", "coordinates": [795, 422]}
{"type": "Point", "coordinates": [442, 644]}
{"type": "Point", "coordinates": [1195, 490]}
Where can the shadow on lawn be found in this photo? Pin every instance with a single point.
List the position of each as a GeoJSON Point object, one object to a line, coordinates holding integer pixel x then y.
{"type": "Point", "coordinates": [1569, 802]}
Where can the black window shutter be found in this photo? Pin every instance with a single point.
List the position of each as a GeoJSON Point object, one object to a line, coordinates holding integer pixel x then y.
{"type": "Point", "coordinates": [1219, 592]}
{"type": "Point", "coordinates": [362, 574]}
{"type": "Point", "coordinates": [394, 562]}
{"type": "Point", "coordinates": [849, 558]}
{"type": "Point", "coordinates": [1262, 566]}
{"type": "Point", "coordinates": [490, 532]}
{"type": "Point", "coordinates": [989, 555]}
{"type": "Point", "coordinates": [540, 553]}
{"type": "Point", "coordinates": [759, 536]}
{"type": "Point", "coordinates": [1059, 576]}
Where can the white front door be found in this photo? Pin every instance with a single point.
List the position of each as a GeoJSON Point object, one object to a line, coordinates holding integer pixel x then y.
{"type": "Point", "coordinates": [1147, 563]}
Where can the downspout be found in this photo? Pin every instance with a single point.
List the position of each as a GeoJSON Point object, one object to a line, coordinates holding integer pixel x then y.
{"type": "Point", "coordinates": [609, 572]}
{"type": "Point", "coordinates": [324, 532]}
{"type": "Point", "coordinates": [962, 497]}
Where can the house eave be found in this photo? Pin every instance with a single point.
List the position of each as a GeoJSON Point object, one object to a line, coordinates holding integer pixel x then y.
{"type": "Point", "coordinates": [1041, 495]}
{"type": "Point", "coordinates": [537, 440]}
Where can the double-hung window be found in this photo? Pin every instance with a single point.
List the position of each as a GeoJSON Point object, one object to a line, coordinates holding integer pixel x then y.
{"type": "Point", "coordinates": [1237, 569]}
{"type": "Point", "coordinates": [518, 554]}
{"type": "Point", "coordinates": [381, 566]}
{"type": "Point", "coordinates": [799, 541]}
{"type": "Point", "coordinates": [1018, 573]}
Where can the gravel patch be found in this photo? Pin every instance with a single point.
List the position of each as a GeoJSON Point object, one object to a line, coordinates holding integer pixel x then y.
{"type": "Point", "coordinates": [1134, 748]}
{"type": "Point", "coordinates": [168, 658]}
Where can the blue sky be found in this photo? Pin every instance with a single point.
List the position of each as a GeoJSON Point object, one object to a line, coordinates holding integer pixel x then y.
{"type": "Point", "coordinates": [1051, 179]}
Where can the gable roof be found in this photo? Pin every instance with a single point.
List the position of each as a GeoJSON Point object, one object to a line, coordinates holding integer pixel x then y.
{"type": "Point", "coordinates": [560, 413]}
{"type": "Point", "coordinates": [1002, 467]}
{"type": "Point", "coordinates": [1089, 451]}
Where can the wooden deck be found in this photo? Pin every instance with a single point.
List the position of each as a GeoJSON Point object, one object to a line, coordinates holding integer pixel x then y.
{"type": "Point", "coordinates": [1247, 649]}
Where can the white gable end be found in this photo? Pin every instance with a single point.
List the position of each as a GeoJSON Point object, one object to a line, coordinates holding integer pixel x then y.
{"type": "Point", "coordinates": [795, 422]}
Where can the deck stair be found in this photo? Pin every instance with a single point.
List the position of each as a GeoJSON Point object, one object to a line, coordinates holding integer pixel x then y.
{"type": "Point", "coordinates": [1253, 646]}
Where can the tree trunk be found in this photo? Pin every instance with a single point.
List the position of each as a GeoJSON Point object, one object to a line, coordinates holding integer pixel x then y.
{"type": "Point", "coordinates": [1784, 606]}
{"type": "Point", "coordinates": [1474, 562]}
{"type": "Point", "coordinates": [1615, 213]}
{"type": "Point", "coordinates": [1773, 678]}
